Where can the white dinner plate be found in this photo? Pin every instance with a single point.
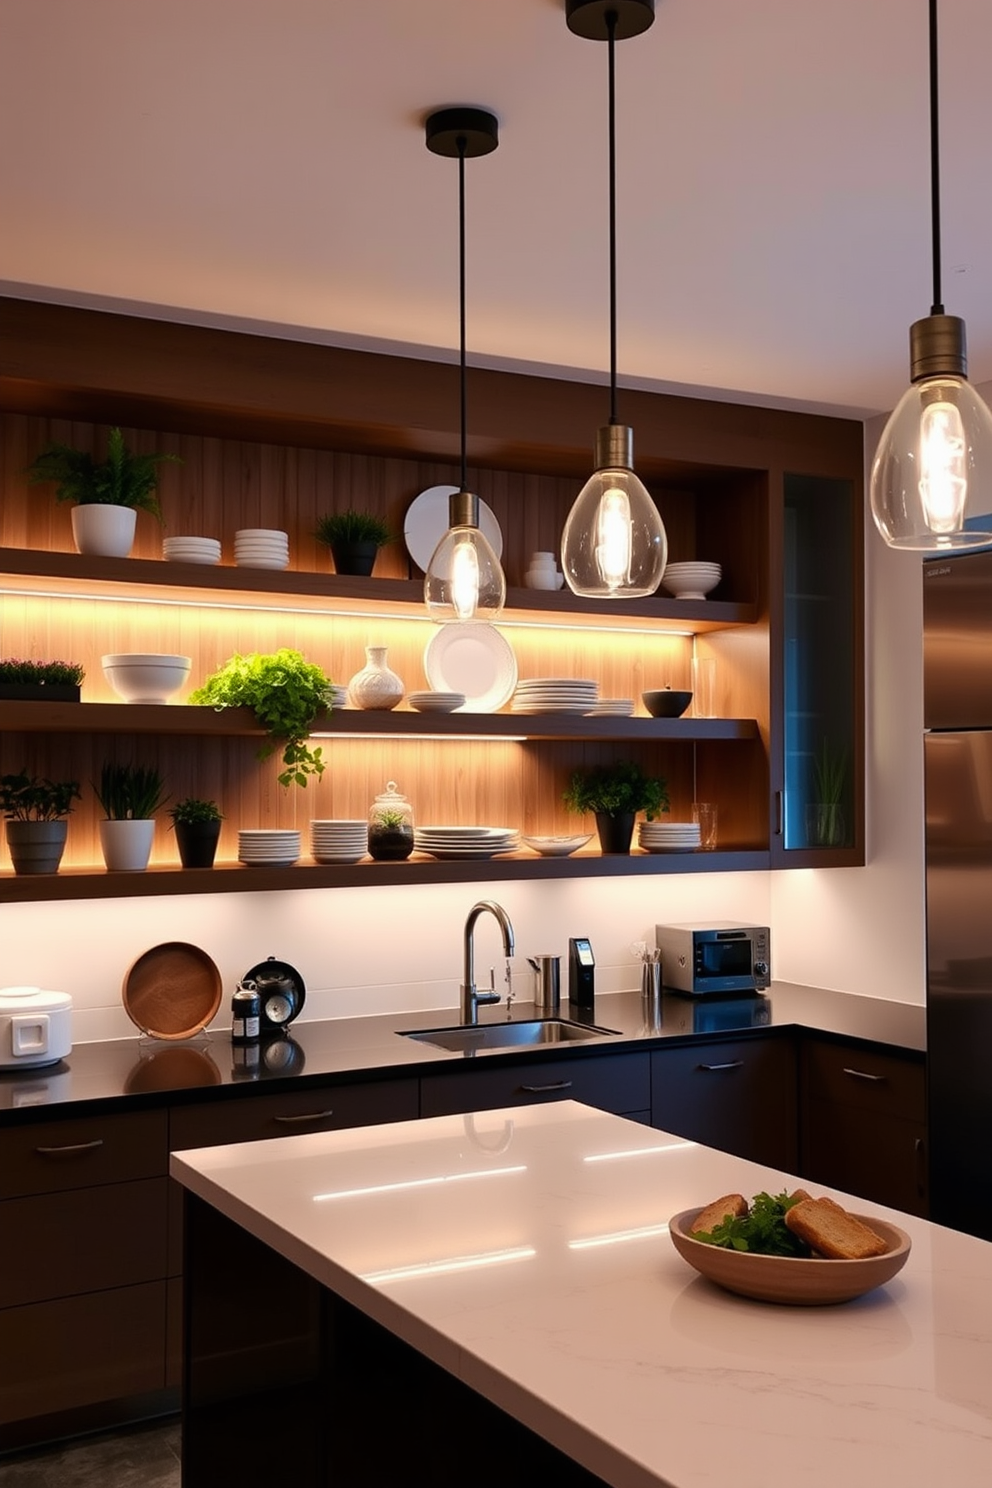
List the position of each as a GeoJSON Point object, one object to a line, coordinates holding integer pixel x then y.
{"type": "Point", "coordinates": [472, 657]}
{"type": "Point", "coordinates": [426, 522]}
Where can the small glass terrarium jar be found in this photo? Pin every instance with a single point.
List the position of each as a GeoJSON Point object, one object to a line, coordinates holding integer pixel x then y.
{"type": "Point", "coordinates": [390, 826]}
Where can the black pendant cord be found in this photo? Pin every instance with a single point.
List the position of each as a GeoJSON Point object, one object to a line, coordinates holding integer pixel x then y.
{"type": "Point", "coordinates": [611, 27]}
{"type": "Point", "coordinates": [461, 307]}
{"type": "Point", "coordinates": [937, 307]}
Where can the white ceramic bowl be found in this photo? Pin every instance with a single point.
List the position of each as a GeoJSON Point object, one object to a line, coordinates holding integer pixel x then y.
{"type": "Point", "coordinates": [145, 676]}
{"type": "Point", "coordinates": [691, 580]}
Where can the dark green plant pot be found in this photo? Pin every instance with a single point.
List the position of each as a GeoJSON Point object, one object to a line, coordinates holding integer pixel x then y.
{"type": "Point", "coordinates": [615, 832]}
{"type": "Point", "coordinates": [197, 843]}
{"type": "Point", "coordinates": [354, 557]}
{"type": "Point", "coordinates": [36, 846]}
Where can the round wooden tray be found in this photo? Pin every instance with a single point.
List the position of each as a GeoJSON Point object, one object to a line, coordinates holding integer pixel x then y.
{"type": "Point", "coordinates": [172, 991]}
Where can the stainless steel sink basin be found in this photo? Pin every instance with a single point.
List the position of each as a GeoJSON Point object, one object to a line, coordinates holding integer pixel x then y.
{"type": "Point", "coordinates": [538, 1031]}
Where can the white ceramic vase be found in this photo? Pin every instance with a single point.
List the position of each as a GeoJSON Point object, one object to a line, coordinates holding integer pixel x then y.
{"type": "Point", "coordinates": [375, 686]}
{"type": "Point", "coordinates": [127, 845]}
{"type": "Point", "coordinates": [102, 531]}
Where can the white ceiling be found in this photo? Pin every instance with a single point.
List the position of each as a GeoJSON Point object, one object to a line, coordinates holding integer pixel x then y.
{"type": "Point", "coordinates": [263, 161]}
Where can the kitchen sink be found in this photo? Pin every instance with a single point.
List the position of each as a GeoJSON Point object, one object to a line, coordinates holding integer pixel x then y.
{"type": "Point", "coordinates": [535, 1032]}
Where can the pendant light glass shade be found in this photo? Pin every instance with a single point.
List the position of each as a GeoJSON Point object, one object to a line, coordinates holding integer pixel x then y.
{"type": "Point", "coordinates": [932, 470]}
{"type": "Point", "coordinates": [613, 544]}
{"type": "Point", "coordinates": [464, 580]}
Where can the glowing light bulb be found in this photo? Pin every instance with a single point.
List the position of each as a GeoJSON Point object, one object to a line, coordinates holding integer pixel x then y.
{"type": "Point", "coordinates": [613, 537]}
{"type": "Point", "coordinates": [613, 545]}
{"type": "Point", "coordinates": [943, 467]}
{"type": "Point", "coordinates": [465, 579]}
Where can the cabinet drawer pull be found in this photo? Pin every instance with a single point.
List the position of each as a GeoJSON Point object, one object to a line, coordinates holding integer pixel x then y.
{"type": "Point", "coordinates": [71, 1149]}
{"type": "Point", "coordinates": [863, 1075]}
{"type": "Point", "coordinates": [731, 1064]}
{"type": "Point", "coordinates": [305, 1116]}
{"type": "Point", "coordinates": [543, 1089]}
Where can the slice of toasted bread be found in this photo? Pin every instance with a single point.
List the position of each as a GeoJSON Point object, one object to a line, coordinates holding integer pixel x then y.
{"type": "Point", "coordinates": [832, 1232]}
{"type": "Point", "coordinates": [798, 1194]}
{"type": "Point", "coordinates": [730, 1204]}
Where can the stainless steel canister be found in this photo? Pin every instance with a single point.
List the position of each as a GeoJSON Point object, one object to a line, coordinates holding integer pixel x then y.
{"type": "Point", "coordinates": [547, 989]}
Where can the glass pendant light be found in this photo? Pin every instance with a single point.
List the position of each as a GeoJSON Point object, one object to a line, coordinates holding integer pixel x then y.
{"type": "Point", "coordinates": [933, 466]}
{"type": "Point", "coordinates": [613, 544]}
{"type": "Point", "coordinates": [464, 580]}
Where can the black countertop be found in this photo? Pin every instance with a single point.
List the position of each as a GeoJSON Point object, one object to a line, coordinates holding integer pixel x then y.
{"type": "Point", "coordinates": [136, 1072]}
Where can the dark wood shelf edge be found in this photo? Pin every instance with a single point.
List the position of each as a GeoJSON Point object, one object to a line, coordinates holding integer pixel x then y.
{"type": "Point", "coordinates": [81, 883]}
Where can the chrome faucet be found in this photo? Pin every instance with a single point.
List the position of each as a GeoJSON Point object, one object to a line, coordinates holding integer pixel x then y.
{"type": "Point", "coordinates": [471, 996]}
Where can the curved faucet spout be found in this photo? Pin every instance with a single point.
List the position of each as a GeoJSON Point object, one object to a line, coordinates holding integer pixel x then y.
{"type": "Point", "coordinates": [471, 996]}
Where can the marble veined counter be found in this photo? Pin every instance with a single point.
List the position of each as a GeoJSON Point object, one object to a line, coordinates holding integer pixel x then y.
{"type": "Point", "coordinates": [526, 1252]}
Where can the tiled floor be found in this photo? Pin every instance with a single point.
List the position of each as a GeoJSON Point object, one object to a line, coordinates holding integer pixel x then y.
{"type": "Point", "coordinates": [144, 1457]}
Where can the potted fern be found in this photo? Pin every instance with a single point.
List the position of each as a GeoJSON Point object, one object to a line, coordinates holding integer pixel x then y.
{"type": "Point", "coordinates": [615, 794]}
{"type": "Point", "coordinates": [197, 826]}
{"type": "Point", "coordinates": [129, 796]}
{"type": "Point", "coordinates": [354, 539]}
{"type": "Point", "coordinates": [107, 494]}
{"type": "Point", "coordinates": [35, 811]}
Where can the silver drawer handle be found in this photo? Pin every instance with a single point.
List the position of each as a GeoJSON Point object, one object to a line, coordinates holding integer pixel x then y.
{"type": "Point", "coordinates": [543, 1089]}
{"type": "Point", "coordinates": [731, 1064]}
{"type": "Point", "coordinates": [68, 1151]}
{"type": "Point", "coordinates": [863, 1075]}
{"type": "Point", "coordinates": [306, 1116]}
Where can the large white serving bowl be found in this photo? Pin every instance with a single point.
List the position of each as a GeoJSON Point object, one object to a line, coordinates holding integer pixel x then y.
{"type": "Point", "coordinates": [145, 676]}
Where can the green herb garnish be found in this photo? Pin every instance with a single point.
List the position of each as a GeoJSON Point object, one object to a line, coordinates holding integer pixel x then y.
{"type": "Point", "coordinates": [762, 1231]}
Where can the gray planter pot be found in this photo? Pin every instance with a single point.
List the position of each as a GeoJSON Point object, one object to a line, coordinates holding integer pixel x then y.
{"type": "Point", "coordinates": [36, 846]}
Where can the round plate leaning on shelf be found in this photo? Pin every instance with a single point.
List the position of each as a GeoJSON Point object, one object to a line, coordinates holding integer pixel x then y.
{"type": "Point", "coordinates": [172, 991]}
{"type": "Point", "coordinates": [426, 522]}
{"type": "Point", "coordinates": [472, 657]}
{"type": "Point", "coordinates": [804, 1282]}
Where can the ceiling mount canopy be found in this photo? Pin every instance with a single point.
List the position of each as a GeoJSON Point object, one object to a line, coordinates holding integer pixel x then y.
{"type": "Point", "coordinates": [613, 545]}
{"type": "Point", "coordinates": [932, 472]}
{"type": "Point", "coordinates": [464, 580]}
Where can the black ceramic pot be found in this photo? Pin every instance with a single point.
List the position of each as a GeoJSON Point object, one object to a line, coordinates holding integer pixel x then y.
{"type": "Point", "coordinates": [354, 557]}
{"type": "Point", "coordinates": [197, 843]}
{"type": "Point", "coordinates": [615, 832]}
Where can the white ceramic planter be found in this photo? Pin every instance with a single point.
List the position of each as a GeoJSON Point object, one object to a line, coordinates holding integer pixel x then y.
{"type": "Point", "coordinates": [127, 845]}
{"type": "Point", "coordinates": [102, 531]}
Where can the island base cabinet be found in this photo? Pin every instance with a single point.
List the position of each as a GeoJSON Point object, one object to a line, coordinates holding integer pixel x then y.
{"type": "Point", "coordinates": [737, 1095]}
{"type": "Point", "coordinates": [315, 1394]}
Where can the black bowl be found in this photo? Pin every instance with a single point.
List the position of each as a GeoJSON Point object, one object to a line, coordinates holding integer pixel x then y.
{"type": "Point", "coordinates": [667, 703]}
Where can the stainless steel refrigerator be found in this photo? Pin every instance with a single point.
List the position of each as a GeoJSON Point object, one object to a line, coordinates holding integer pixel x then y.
{"type": "Point", "coordinates": [957, 671]}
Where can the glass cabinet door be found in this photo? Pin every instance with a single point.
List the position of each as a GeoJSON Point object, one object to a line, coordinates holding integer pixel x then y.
{"type": "Point", "coordinates": [822, 711]}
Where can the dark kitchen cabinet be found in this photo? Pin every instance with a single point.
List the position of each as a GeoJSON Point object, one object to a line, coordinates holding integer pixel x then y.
{"type": "Point", "coordinates": [738, 1095]}
{"type": "Point", "coordinates": [863, 1121]}
{"type": "Point", "coordinates": [612, 1082]}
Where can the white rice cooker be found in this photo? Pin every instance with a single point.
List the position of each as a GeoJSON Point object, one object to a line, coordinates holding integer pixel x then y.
{"type": "Point", "coordinates": [35, 1027]}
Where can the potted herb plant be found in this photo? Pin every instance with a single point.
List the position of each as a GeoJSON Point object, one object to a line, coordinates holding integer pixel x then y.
{"type": "Point", "coordinates": [40, 681]}
{"type": "Point", "coordinates": [285, 692]}
{"type": "Point", "coordinates": [107, 494]}
{"type": "Point", "coordinates": [36, 812]}
{"type": "Point", "coordinates": [197, 826]}
{"type": "Point", "coordinates": [129, 796]}
{"type": "Point", "coordinates": [354, 539]}
{"type": "Point", "coordinates": [615, 794]}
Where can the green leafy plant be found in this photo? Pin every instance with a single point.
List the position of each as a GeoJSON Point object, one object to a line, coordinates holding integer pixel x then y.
{"type": "Point", "coordinates": [829, 766]}
{"type": "Point", "coordinates": [122, 479]}
{"type": "Point", "coordinates": [129, 792]}
{"type": "Point", "coordinates": [191, 810]}
{"type": "Point", "coordinates": [28, 798]}
{"type": "Point", "coordinates": [616, 790]}
{"type": "Point", "coordinates": [351, 527]}
{"type": "Point", "coordinates": [389, 820]}
{"type": "Point", "coordinates": [763, 1230]}
{"type": "Point", "coordinates": [285, 692]}
{"type": "Point", "coordinates": [65, 673]}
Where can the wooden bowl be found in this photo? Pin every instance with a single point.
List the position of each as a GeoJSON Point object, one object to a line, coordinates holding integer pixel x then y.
{"type": "Point", "coordinates": [812, 1282]}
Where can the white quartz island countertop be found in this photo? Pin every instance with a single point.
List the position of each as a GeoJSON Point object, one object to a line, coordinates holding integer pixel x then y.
{"type": "Point", "coordinates": [527, 1252]}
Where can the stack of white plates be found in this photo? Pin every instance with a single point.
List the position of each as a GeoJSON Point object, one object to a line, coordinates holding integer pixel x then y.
{"type": "Point", "coordinates": [691, 580]}
{"type": "Point", "coordinates": [261, 547]}
{"type": "Point", "coordinates": [465, 842]}
{"type": "Point", "coordinates": [613, 708]}
{"type": "Point", "coordinates": [659, 837]}
{"type": "Point", "coordinates": [191, 549]}
{"type": "Point", "coordinates": [339, 841]}
{"type": "Point", "coordinates": [339, 696]}
{"type": "Point", "coordinates": [555, 695]}
{"type": "Point", "coordinates": [436, 702]}
{"type": "Point", "coordinates": [265, 847]}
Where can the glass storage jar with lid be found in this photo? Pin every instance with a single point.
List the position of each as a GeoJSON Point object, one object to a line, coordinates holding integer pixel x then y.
{"type": "Point", "coordinates": [390, 826]}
